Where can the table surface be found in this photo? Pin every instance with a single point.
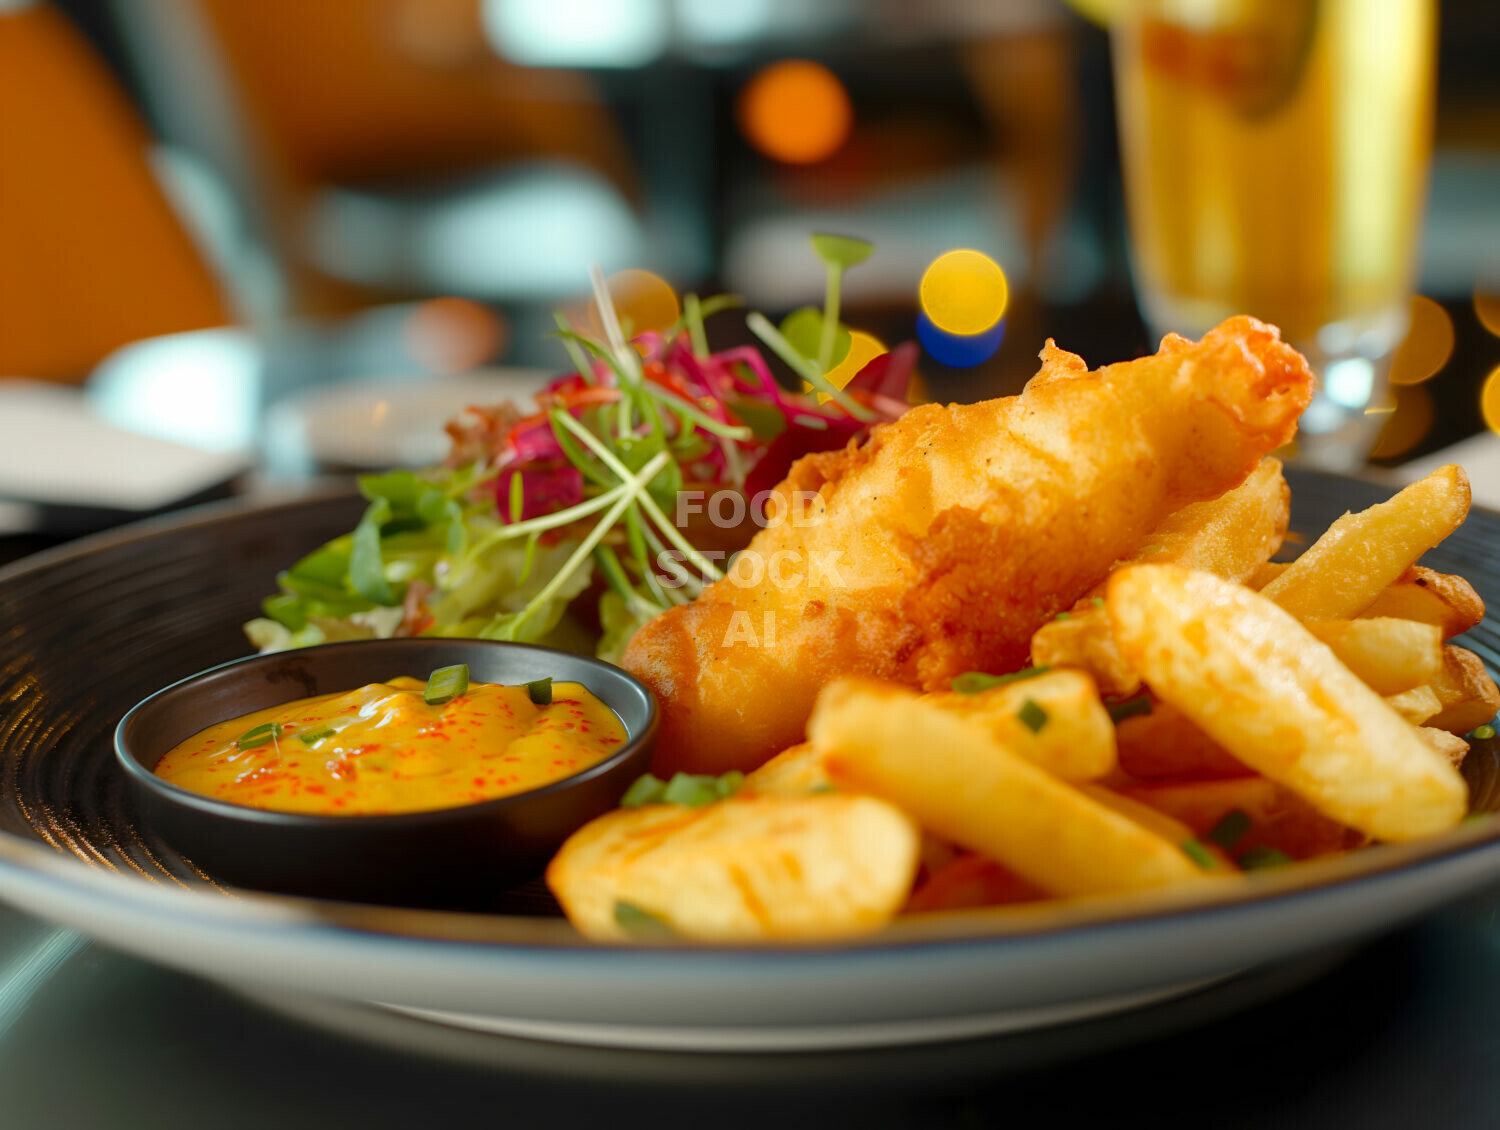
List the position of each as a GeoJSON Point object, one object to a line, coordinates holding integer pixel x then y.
{"type": "Point", "coordinates": [1403, 1033]}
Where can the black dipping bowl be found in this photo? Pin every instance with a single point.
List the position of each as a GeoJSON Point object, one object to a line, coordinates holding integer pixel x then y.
{"type": "Point", "coordinates": [447, 857]}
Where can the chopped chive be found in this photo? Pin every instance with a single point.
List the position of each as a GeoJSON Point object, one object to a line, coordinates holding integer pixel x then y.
{"type": "Point", "coordinates": [1230, 830]}
{"type": "Point", "coordinates": [445, 684]}
{"type": "Point", "coordinates": [690, 789]}
{"type": "Point", "coordinates": [1199, 854]}
{"type": "Point", "coordinates": [972, 682]}
{"type": "Point", "coordinates": [1032, 716]}
{"type": "Point", "coordinates": [1119, 711]}
{"type": "Point", "coordinates": [640, 923]}
{"type": "Point", "coordinates": [729, 783]}
{"type": "Point", "coordinates": [1098, 602]}
{"type": "Point", "coordinates": [540, 691]}
{"type": "Point", "coordinates": [646, 789]}
{"type": "Point", "coordinates": [1475, 817]}
{"type": "Point", "coordinates": [313, 737]}
{"type": "Point", "coordinates": [1483, 733]}
{"type": "Point", "coordinates": [1262, 856]}
{"type": "Point", "coordinates": [1063, 616]}
{"type": "Point", "coordinates": [823, 787]}
{"type": "Point", "coordinates": [257, 736]}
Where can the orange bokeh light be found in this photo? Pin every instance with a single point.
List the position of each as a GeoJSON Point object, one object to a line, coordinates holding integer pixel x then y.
{"type": "Point", "coordinates": [643, 302]}
{"type": "Point", "coordinates": [1427, 346]}
{"type": "Point", "coordinates": [1408, 425]}
{"type": "Point", "coordinates": [1487, 309]}
{"type": "Point", "coordinates": [795, 111]}
{"type": "Point", "coordinates": [1489, 399]}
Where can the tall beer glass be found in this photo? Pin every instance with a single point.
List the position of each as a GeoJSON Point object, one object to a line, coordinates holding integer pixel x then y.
{"type": "Point", "coordinates": [1275, 156]}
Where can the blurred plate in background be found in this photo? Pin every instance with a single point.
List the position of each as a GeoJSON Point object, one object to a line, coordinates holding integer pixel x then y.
{"type": "Point", "coordinates": [371, 425]}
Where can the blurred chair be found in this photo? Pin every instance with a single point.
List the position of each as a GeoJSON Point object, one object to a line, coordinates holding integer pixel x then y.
{"type": "Point", "coordinates": [91, 253]}
{"type": "Point", "coordinates": [384, 150]}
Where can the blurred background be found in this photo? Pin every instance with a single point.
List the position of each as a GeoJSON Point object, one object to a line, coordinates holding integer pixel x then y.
{"type": "Point", "coordinates": [291, 238]}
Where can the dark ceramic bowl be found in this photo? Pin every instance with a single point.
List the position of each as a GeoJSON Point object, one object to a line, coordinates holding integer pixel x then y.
{"type": "Point", "coordinates": [447, 857]}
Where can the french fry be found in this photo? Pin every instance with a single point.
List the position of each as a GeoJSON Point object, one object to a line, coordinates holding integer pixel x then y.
{"type": "Point", "coordinates": [1083, 642]}
{"type": "Point", "coordinates": [1076, 744]}
{"type": "Point", "coordinates": [1390, 655]}
{"type": "Point", "coordinates": [742, 869]}
{"type": "Point", "coordinates": [964, 786]}
{"type": "Point", "coordinates": [1451, 746]}
{"type": "Point", "coordinates": [792, 772]}
{"type": "Point", "coordinates": [1165, 744]}
{"type": "Point", "coordinates": [1254, 679]}
{"type": "Point", "coordinates": [1266, 574]}
{"type": "Point", "coordinates": [1422, 594]}
{"type": "Point", "coordinates": [1416, 705]}
{"type": "Point", "coordinates": [1166, 826]}
{"type": "Point", "coordinates": [1342, 573]}
{"type": "Point", "coordinates": [1278, 818]}
{"type": "Point", "coordinates": [1231, 536]}
{"type": "Point", "coordinates": [1466, 692]}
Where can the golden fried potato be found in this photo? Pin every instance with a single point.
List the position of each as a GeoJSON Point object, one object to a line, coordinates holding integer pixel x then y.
{"type": "Point", "coordinates": [1260, 684]}
{"type": "Point", "coordinates": [1165, 744]}
{"type": "Point", "coordinates": [1416, 705]}
{"type": "Point", "coordinates": [1232, 535]}
{"type": "Point", "coordinates": [964, 786]}
{"type": "Point", "coordinates": [1266, 574]}
{"type": "Point", "coordinates": [1466, 692]}
{"type": "Point", "coordinates": [1390, 655]}
{"type": "Point", "coordinates": [1166, 826]}
{"type": "Point", "coordinates": [1278, 817]}
{"type": "Point", "coordinates": [743, 869]}
{"type": "Point", "coordinates": [1422, 594]}
{"type": "Point", "coordinates": [1342, 573]}
{"type": "Point", "coordinates": [1451, 746]}
{"type": "Point", "coordinates": [1076, 744]}
{"type": "Point", "coordinates": [792, 772]}
{"type": "Point", "coordinates": [1082, 641]}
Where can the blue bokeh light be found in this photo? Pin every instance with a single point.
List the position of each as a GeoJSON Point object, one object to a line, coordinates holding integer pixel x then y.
{"type": "Point", "coordinates": [958, 351]}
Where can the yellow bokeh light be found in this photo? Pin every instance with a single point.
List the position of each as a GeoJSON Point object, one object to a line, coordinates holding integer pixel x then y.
{"type": "Point", "coordinates": [643, 302]}
{"type": "Point", "coordinates": [795, 111]}
{"type": "Point", "coordinates": [1407, 425]}
{"type": "Point", "coordinates": [1487, 308]}
{"type": "Point", "coordinates": [863, 348]}
{"type": "Point", "coordinates": [1489, 399]}
{"type": "Point", "coordinates": [963, 292]}
{"type": "Point", "coordinates": [1427, 346]}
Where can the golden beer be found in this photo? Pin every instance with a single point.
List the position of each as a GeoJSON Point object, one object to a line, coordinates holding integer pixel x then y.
{"type": "Point", "coordinates": [1275, 156]}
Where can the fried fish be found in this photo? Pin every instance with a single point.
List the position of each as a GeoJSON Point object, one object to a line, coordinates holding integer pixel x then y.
{"type": "Point", "coordinates": [945, 540]}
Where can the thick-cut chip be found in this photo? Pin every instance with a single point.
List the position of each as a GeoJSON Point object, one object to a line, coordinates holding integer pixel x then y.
{"type": "Point", "coordinates": [1082, 641]}
{"type": "Point", "coordinates": [1422, 594]}
{"type": "Point", "coordinates": [1260, 684]}
{"type": "Point", "coordinates": [1266, 574]}
{"type": "Point", "coordinates": [1451, 746]}
{"type": "Point", "coordinates": [1077, 743]}
{"type": "Point", "coordinates": [1391, 656]}
{"type": "Point", "coordinates": [1166, 745]}
{"type": "Point", "coordinates": [1466, 692]}
{"type": "Point", "coordinates": [1416, 705]}
{"type": "Point", "coordinates": [747, 868]}
{"type": "Point", "coordinates": [1342, 573]}
{"type": "Point", "coordinates": [964, 786]}
{"type": "Point", "coordinates": [1274, 816]}
{"type": "Point", "coordinates": [1231, 536]}
{"type": "Point", "coordinates": [792, 772]}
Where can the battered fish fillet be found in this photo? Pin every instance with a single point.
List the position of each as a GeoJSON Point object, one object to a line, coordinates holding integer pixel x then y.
{"type": "Point", "coordinates": [940, 544]}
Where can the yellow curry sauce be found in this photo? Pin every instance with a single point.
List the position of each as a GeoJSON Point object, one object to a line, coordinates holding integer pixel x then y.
{"type": "Point", "coordinates": [389, 751]}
